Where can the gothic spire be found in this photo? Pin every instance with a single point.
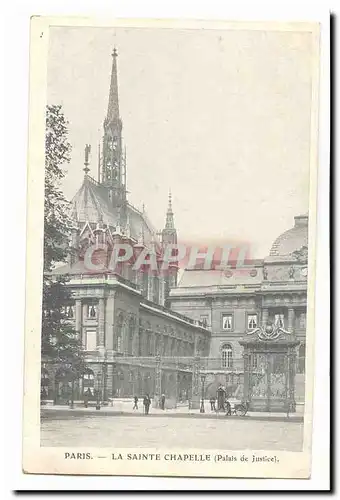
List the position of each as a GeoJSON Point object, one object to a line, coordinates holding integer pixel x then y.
{"type": "Point", "coordinates": [86, 161]}
{"type": "Point", "coordinates": [169, 224]}
{"type": "Point", "coordinates": [113, 106]}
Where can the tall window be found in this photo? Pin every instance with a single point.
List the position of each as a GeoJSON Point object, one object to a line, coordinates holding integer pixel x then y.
{"type": "Point", "coordinates": [91, 340]}
{"type": "Point", "coordinates": [92, 311]}
{"type": "Point", "coordinates": [279, 320]}
{"type": "Point", "coordinates": [227, 321]}
{"type": "Point", "coordinates": [252, 321]}
{"type": "Point", "coordinates": [227, 356]}
{"type": "Point", "coordinates": [70, 312]}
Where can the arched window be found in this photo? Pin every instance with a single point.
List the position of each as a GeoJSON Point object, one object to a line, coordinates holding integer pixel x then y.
{"type": "Point", "coordinates": [227, 356]}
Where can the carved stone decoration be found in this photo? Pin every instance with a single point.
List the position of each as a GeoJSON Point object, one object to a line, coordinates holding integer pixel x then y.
{"type": "Point", "coordinates": [304, 272]}
{"type": "Point", "coordinates": [253, 273]}
{"type": "Point", "coordinates": [301, 255]}
{"type": "Point", "coordinates": [269, 332]}
{"type": "Point", "coordinates": [291, 273]}
{"type": "Point", "coordinates": [228, 274]}
{"type": "Point", "coordinates": [265, 274]}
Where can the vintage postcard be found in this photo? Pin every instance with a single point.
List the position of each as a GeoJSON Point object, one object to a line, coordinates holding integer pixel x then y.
{"type": "Point", "coordinates": [172, 185]}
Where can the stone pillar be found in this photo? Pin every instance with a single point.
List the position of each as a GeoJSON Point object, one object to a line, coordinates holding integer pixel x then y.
{"type": "Point", "coordinates": [125, 336]}
{"type": "Point", "coordinates": [101, 324]}
{"type": "Point", "coordinates": [78, 314]}
{"type": "Point", "coordinates": [291, 315]}
{"type": "Point", "coordinates": [161, 290]}
{"type": "Point", "coordinates": [135, 340]}
{"type": "Point", "coordinates": [158, 382]}
{"type": "Point", "coordinates": [264, 316]}
{"type": "Point", "coordinates": [151, 285]}
{"type": "Point", "coordinates": [195, 398]}
{"type": "Point", "coordinates": [109, 322]}
{"type": "Point", "coordinates": [109, 380]}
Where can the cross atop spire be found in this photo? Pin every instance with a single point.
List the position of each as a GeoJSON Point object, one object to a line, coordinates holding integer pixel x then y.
{"type": "Point", "coordinates": [113, 105]}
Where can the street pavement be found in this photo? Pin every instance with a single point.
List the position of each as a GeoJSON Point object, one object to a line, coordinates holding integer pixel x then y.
{"type": "Point", "coordinates": [125, 407]}
{"type": "Point", "coordinates": [166, 432]}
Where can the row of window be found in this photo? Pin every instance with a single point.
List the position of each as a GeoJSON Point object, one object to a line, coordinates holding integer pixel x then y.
{"type": "Point", "coordinates": [149, 349]}
{"type": "Point", "coordinates": [227, 320]}
{"type": "Point", "coordinates": [252, 321]}
{"type": "Point", "coordinates": [91, 311]}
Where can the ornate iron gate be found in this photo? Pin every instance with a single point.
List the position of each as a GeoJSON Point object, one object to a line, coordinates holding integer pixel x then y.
{"type": "Point", "coordinates": [269, 370]}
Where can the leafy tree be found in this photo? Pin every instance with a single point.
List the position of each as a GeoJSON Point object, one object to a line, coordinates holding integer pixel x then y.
{"type": "Point", "coordinates": [60, 342]}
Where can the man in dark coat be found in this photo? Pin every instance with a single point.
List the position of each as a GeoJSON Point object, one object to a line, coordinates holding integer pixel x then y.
{"type": "Point", "coordinates": [163, 402]}
{"type": "Point", "coordinates": [146, 403]}
{"type": "Point", "coordinates": [220, 398]}
{"type": "Point", "coordinates": [135, 406]}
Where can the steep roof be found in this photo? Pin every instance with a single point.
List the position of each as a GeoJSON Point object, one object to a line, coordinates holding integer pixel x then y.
{"type": "Point", "coordinates": [92, 204]}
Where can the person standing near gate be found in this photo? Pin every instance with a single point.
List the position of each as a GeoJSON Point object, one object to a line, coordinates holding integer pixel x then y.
{"type": "Point", "coordinates": [135, 406]}
{"type": "Point", "coordinates": [220, 398]}
{"type": "Point", "coordinates": [163, 402]}
{"type": "Point", "coordinates": [146, 403]}
{"type": "Point", "coordinates": [212, 403]}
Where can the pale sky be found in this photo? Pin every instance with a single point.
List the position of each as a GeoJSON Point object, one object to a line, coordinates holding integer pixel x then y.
{"type": "Point", "coordinates": [220, 117]}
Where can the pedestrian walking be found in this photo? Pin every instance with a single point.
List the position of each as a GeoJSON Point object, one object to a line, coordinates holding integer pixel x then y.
{"type": "Point", "coordinates": [146, 403]}
{"type": "Point", "coordinates": [135, 406]}
{"type": "Point", "coordinates": [163, 402]}
{"type": "Point", "coordinates": [221, 394]}
{"type": "Point", "coordinates": [213, 403]}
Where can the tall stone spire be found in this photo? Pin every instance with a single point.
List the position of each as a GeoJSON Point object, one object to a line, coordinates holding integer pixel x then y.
{"type": "Point", "coordinates": [113, 105]}
{"type": "Point", "coordinates": [113, 171]}
{"type": "Point", "coordinates": [169, 233]}
{"type": "Point", "coordinates": [169, 224]}
{"type": "Point", "coordinates": [169, 236]}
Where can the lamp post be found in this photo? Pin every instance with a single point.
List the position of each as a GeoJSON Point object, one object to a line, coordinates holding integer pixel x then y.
{"type": "Point", "coordinates": [202, 409]}
{"type": "Point", "coordinates": [98, 391]}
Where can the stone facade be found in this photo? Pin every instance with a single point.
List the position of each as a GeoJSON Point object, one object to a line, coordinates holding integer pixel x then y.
{"type": "Point", "coordinates": [235, 300]}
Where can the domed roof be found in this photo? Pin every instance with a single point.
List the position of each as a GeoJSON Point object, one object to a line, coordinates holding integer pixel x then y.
{"type": "Point", "coordinates": [293, 239]}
